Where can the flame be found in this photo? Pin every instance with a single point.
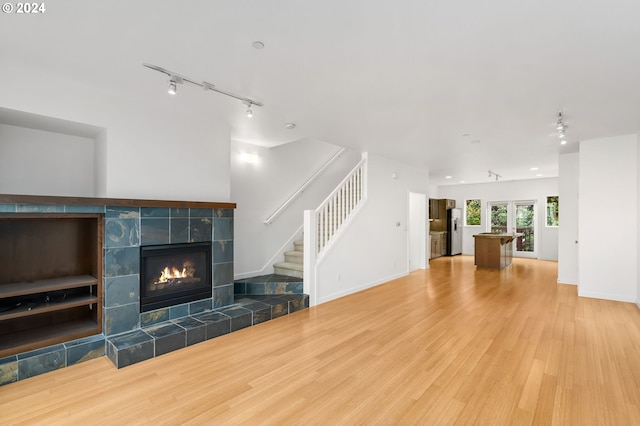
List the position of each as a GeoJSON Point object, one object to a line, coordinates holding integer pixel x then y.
{"type": "Point", "coordinates": [171, 274]}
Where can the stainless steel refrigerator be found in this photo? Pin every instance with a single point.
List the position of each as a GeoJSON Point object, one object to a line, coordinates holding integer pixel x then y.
{"type": "Point", "coordinates": [454, 232]}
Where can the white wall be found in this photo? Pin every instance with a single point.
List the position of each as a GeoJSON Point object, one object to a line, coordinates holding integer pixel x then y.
{"type": "Point", "coordinates": [608, 223]}
{"type": "Point", "coordinates": [568, 248]}
{"type": "Point", "coordinates": [418, 223]}
{"type": "Point", "coordinates": [374, 248]}
{"type": "Point", "coordinates": [534, 189]}
{"type": "Point", "coordinates": [259, 189]}
{"type": "Point", "coordinates": [37, 162]}
{"type": "Point", "coordinates": [638, 228]}
{"type": "Point", "coordinates": [160, 149]}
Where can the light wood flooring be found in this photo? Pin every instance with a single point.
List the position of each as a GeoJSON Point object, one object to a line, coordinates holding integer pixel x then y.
{"type": "Point", "coordinates": [449, 345]}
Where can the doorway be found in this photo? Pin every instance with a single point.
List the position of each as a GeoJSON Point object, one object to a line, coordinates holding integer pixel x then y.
{"type": "Point", "coordinates": [515, 217]}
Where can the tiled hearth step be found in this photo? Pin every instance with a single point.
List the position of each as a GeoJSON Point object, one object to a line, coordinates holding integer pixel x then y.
{"type": "Point", "coordinates": [158, 339]}
{"type": "Point", "coordinates": [268, 284]}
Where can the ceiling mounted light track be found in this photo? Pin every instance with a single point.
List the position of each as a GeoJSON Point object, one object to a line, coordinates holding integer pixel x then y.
{"type": "Point", "coordinates": [175, 79]}
{"type": "Point", "coordinates": [494, 174]}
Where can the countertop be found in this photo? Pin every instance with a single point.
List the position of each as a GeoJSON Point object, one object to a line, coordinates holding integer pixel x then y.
{"type": "Point", "coordinates": [501, 236]}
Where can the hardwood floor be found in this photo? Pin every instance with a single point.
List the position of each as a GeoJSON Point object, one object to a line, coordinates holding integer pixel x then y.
{"type": "Point", "coordinates": [449, 345]}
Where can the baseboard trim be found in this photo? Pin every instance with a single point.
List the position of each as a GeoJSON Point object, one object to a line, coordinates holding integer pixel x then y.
{"type": "Point", "coordinates": [607, 296]}
{"type": "Point", "coordinates": [567, 281]}
{"type": "Point", "coordinates": [359, 288]}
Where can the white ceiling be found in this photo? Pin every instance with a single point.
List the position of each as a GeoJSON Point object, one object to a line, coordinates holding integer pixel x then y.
{"type": "Point", "coordinates": [407, 79]}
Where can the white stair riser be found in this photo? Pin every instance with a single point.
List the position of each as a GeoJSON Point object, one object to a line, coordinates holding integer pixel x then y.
{"type": "Point", "coordinates": [294, 257]}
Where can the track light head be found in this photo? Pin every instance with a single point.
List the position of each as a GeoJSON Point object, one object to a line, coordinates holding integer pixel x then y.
{"type": "Point", "coordinates": [172, 87]}
{"type": "Point", "coordinates": [173, 84]}
{"type": "Point", "coordinates": [249, 110]}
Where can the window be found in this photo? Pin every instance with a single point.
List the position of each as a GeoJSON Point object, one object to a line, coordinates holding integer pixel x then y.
{"type": "Point", "coordinates": [472, 213]}
{"type": "Point", "coordinates": [553, 211]}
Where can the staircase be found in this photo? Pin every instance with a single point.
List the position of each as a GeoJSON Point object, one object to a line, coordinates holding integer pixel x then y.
{"type": "Point", "coordinates": [293, 260]}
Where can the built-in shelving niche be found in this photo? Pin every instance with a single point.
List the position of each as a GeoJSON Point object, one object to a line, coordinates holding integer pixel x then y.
{"type": "Point", "coordinates": [50, 279]}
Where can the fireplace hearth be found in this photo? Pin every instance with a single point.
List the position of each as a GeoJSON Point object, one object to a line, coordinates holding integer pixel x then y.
{"type": "Point", "coordinates": [172, 274]}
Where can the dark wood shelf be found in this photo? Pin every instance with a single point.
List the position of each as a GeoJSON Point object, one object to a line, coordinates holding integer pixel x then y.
{"type": "Point", "coordinates": [35, 309]}
{"type": "Point", "coordinates": [14, 343]}
{"type": "Point", "coordinates": [42, 286]}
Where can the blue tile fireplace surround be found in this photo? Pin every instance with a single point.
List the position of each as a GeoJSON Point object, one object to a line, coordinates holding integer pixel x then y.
{"type": "Point", "coordinates": [129, 336]}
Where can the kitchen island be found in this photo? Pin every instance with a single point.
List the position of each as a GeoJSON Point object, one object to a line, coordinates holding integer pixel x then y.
{"type": "Point", "coordinates": [493, 250]}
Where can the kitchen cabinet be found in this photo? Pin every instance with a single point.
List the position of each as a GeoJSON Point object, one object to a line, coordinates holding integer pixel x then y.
{"type": "Point", "coordinates": [438, 207]}
{"type": "Point", "coordinates": [493, 250]}
{"type": "Point", "coordinates": [434, 208]}
{"type": "Point", "coordinates": [438, 244]}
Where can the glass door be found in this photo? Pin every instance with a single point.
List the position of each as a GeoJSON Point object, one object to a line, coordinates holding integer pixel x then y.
{"type": "Point", "coordinates": [525, 224]}
{"type": "Point", "coordinates": [499, 213]}
{"type": "Point", "coordinates": [515, 217]}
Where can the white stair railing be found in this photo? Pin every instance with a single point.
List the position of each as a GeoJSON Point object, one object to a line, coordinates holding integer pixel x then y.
{"type": "Point", "coordinates": [337, 207]}
{"type": "Point", "coordinates": [323, 224]}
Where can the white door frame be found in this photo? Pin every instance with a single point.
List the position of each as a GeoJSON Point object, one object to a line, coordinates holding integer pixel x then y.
{"type": "Point", "coordinates": [417, 239]}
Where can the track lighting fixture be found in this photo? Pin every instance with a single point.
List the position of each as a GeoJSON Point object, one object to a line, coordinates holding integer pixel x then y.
{"type": "Point", "coordinates": [494, 174]}
{"type": "Point", "coordinates": [561, 129]}
{"type": "Point", "coordinates": [175, 79]}
{"type": "Point", "coordinates": [249, 111]}
{"type": "Point", "coordinates": [173, 84]}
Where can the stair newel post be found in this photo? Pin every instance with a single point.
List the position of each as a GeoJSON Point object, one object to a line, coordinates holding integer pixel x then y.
{"type": "Point", "coordinates": [310, 254]}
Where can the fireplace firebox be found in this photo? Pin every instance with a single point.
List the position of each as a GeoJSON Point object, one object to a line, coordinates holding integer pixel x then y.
{"type": "Point", "coordinates": [173, 274]}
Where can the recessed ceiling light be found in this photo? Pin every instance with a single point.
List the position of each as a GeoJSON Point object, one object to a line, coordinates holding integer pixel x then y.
{"type": "Point", "coordinates": [539, 175]}
{"type": "Point", "coordinates": [533, 169]}
{"type": "Point", "coordinates": [462, 181]}
{"type": "Point", "coordinates": [563, 142]}
{"type": "Point", "coordinates": [448, 177]}
{"type": "Point", "coordinates": [290, 126]}
{"type": "Point", "coordinates": [258, 45]}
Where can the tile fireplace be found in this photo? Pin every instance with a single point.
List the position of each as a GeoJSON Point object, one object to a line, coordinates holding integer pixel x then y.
{"type": "Point", "coordinates": [128, 228]}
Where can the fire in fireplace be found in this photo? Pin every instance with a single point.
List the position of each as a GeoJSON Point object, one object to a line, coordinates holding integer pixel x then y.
{"type": "Point", "coordinates": [173, 274]}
